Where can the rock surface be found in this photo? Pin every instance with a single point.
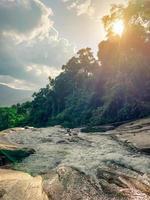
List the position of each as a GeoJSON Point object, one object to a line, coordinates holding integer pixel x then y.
{"type": "Point", "coordinates": [16, 185]}
{"type": "Point", "coordinates": [70, 165]}
{"type": "Point", "coordinates": [136, 133]}
{"type": "Point", "coordinates": [67, 183]}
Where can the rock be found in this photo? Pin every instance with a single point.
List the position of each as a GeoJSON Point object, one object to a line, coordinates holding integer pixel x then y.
{"type": "Point", "coordinates": [69, 183]}
{"type": "Point", "coordinates": [84, 151]}
{"type": "Point", "coordinates": [66, 184]}
{"type": "Point", "coordinates": [137, 133]}
{"type": "Point", "coordinates": [12, 153]}
{"type": "Point", "coordinates": [145, 150]}
{"type": "Point", "coordinates": [46, 140]}
{"type": "Point", "coordinates": [16, 185]}
{"type": "Point", "coordinates": [62, 142]}
{"type": "Point", "coordinates": [103, 128]}
{"type": "Point", "coordinates": [117, 183]}
{"type": "Point", "coordinates": [28, 127]}
{"type": "Point", "coordinates": [84, 166]}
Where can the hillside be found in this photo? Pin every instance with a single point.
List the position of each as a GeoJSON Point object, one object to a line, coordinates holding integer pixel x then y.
{"type": "Point", "coordinates": [10, 96]}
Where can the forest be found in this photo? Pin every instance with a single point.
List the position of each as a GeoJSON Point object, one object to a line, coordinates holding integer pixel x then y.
{"type": "Point", "coordinates": [90, 91]}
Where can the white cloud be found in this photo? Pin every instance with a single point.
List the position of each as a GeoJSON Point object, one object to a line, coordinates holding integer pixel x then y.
{"type": "Point", "coordinates": [43, 70]}
{"type": "Point", "coordinates": [51, 50]}
{"type": "Point", "coordinates": [95, 9]}
{"type": "Point", "coordinates": [30, 47]}
{"type": "Point", "coordinates": [81, 7]}
{"type": "Point", "coordinates": [25, 19]}
{"type": "Point", "coordinates": [33, 62]}
{"type": "Point", "coordinates": [85, 8]}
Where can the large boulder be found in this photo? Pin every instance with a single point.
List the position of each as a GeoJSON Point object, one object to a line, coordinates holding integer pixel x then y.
{"type": "Point", "coordinates": [15, 185]}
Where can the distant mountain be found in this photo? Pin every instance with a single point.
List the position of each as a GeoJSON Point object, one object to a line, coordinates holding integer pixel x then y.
{"type": "Point", "coordinates": [10, 96]}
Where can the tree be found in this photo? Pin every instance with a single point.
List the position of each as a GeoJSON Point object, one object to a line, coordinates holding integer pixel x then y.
{"type": "Point", "coordinates": [126, 63]}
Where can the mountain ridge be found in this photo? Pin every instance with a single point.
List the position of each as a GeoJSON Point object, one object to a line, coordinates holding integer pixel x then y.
{"type": "Point", "coordinates": [12, 96]}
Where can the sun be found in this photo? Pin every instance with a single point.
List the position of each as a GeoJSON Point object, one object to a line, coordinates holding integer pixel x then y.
{"type": "Point", "coordinates": [118, 27]}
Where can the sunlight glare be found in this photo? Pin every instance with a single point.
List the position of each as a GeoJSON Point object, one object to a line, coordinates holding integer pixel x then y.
{"type": "Point", "coordinates": [118, 27]}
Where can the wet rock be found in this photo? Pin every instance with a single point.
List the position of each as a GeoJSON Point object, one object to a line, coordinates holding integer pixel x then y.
{"type": "Point", "coordinates": [62, 142]}
{"type": "Point", "coordinates": [145, 150]}
{"type": "Point", "coordinates": [45, 140]}
{"type": "Point", "coordinates": [98, 128]}
{"type": "Point", "coordinates": [28, 127]}
{"type": "Point", "coordinates": [12, 153]}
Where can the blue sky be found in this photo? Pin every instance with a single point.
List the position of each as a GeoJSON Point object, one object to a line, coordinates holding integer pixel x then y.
{"type": "Point", "coordinates": [38, 36]}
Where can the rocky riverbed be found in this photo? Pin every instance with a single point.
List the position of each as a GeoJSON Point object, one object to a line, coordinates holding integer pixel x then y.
{"type": "Point", "coordinates": [71, 165]}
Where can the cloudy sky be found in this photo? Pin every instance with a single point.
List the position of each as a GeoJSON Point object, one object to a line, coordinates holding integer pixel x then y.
{"type": "Point", "coordinates": [38, 36]}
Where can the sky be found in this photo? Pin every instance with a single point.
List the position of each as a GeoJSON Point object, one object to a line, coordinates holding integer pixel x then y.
{"type": "Point", "coordinates": [38, 36]}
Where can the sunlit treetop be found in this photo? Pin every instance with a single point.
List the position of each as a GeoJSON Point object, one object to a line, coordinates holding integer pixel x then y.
{"type": "Point", "coordinates": [127, 34]}
{"type": "Point", "coordinates": [132, 19]}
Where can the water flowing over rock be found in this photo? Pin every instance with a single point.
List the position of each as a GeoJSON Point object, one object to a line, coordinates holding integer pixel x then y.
{"type": "Point", "coordinates": [72, 165]}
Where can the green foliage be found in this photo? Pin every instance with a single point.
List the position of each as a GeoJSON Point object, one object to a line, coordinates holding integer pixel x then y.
{"type": "Point", "coordinates": [16, 115]}
{"type": "Point", "coordinates": [114, 88]}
